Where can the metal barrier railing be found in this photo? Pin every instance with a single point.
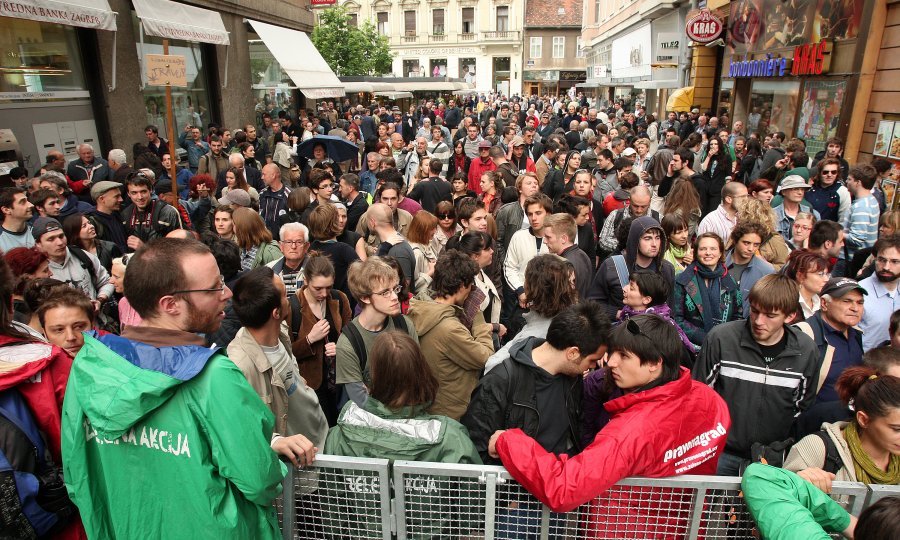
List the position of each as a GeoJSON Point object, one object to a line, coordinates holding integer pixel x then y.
{"type": "Point", "coordinates": [341, 497]}
{"type": "Point", "coordinates": [878, 492]}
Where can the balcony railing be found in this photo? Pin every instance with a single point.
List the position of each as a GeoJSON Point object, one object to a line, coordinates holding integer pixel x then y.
{"type": "Point", "coordinates": [501, 35]}
{"type": "Point", "coordinates": [467, 37]}
{"type": "Point", "coordinates": [437, 37]}
{"type": "Point", "coordinates": [409, 38]}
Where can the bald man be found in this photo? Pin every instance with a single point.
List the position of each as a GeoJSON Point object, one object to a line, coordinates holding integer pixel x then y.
{"type": "Point", "coordinates": [273, 200]}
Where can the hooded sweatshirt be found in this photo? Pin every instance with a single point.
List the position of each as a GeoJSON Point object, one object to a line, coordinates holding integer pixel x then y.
{"type": "Point", "coordinates": [455, 354]}
{"type": "Point", "coordinates": [167, 441]}
{"type": "Point", "coordinates": [607, 288]}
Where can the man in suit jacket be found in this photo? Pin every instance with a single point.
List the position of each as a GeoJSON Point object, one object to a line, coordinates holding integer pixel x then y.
{"type": "Point", "coordinates": [253, 176]}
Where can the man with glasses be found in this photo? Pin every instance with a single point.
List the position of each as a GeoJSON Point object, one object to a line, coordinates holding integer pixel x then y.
{"type": "Point", "coordinates": [294, 245]}
{"type": "Point", "coordinates": [376, 287]}
{"type": "Point", "coordinates": [828, 196]}
{"type": "Point", "coordinates": [156, 402]}
{"type": "Point", "coordinates": [882, 299]}
{"type": "Point", "coordinates": [322, 184]}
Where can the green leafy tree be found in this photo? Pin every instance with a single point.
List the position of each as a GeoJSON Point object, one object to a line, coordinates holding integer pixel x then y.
{"type": "Point", "coordinates": [350, 50]}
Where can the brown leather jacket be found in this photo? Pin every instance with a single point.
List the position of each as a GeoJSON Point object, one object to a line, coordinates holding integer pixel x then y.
{"type": "Point", "coordinates": [310, 358]}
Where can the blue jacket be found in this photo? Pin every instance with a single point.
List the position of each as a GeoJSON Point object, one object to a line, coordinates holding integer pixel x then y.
{"type": "Point", "coordinates": [785, 224]}
{"type": "Point", "coordinates": [689, 303]}
{"type": "Point", "coordinates": [826, 201]}
{"type": "Point", "coordinates": [194, 151]}
{"type": "Point", "coordinates": [756, 269]}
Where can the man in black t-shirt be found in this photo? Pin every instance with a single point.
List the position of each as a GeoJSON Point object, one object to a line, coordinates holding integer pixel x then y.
{"type": "Point", "coordinates": [766, 371]}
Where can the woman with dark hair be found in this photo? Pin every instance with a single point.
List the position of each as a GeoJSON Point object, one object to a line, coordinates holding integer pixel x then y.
{"type": "Point", "coordinates": [677, 230]}
{"type": "Point", "coordinates": [324, 228]}
{"type": "Point", "coordinates": [447, 226]}
{"type": "Point", "coordinates": [715, 169]}
{"type": "Point", "coordinates": [81, 234]}
{"type": "Point", "coordinates": [683, 199]}
{"type": "Point", "coordinates": [491, 188]}
{"type": "Point", "coordinates": [867, 445]}
{"type": "Point", "coordinates": [391, 422]}
{"type": "Point", "coordinates": [248, 152]}
{"type": "Point", "coordinates": [459, 161]}
{"type": "Point", "coordinates": [324, 311]}
{"type": "Point", "coordinates": [479, 246]}
{"type": "Point", "coordinates": [810, 271]}
{"type": "Point", "coordinates": [27, 264]}
{"type": "Point", "coordinates": [223, 222]}
{"type": "Point", "coordinates": [705, 295]}
{"type": "Point", "coordinates": [459, 189]}
{"type": "Point", "coordinates": [351, 238]}
{"type": "Point", "coordinates": [549, 288]}
{"type": "Point", "coordinates": [254, 239]}
{"type": "Point", "coordinates": [748, 162]}
{"type": "Point", "coordinates": [559, 181]}
{"type": "Point", "coordinates": [234, 179]}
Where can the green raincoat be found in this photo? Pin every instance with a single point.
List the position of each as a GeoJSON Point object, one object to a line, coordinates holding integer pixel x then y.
{"type": "Point", "coordinates": [167, 442]}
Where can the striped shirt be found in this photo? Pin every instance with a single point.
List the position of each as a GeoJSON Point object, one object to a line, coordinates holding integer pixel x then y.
{"type": "Point", "coordinates": [718, 221]}
{"type": "Point", "coordinates": [862, 227]}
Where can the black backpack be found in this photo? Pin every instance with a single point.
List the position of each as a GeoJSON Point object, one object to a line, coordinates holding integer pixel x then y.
{"type": "Point", "coordinates": [85, 260]}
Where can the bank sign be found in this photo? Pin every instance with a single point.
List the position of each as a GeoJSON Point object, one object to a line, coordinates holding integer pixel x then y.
{"type": "Point", "coordinates": [809, 59]}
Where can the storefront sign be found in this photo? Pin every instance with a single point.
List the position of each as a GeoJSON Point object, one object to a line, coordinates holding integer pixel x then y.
{"type": "Point", "coordinates": [66, 94]}
{"type": "Point", "coordinates": [668, 45]}
{"type": "Point", "coordinates": [548, 75]}
{"type": "Point", "coordinates": [577, 76]}
{"type": "Point", "coordinates": [704, 27]}
{"type": "Point", "coordinates": [86, 13]}
{"type": "Point", "coordinates": [812, 58]}
{"type": "Point", "coordinates": [770, 66]}
{"type": "Point", "coordinates": [599, 72]}
{"type": "Point", "coordinates": [166, 70]}
{"type": "Point", "coordinates": [323, 2]}
{"type": "Point", "coordinates": [631, 54]}
{"type": "Point", "coordinates": [437, 51]}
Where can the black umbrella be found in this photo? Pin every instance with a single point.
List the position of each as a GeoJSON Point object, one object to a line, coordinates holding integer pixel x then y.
{"type": "Point", "coordinates": [336, 148]}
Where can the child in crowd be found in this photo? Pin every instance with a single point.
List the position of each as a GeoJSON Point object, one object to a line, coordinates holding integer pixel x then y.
{"type": "Point", "coordinates": [647, 292]}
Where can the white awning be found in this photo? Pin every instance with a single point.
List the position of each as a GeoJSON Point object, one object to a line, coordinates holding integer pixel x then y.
{"type": "Point", "coordinates": [656, 85]}
{"type": "Point", "coordinates": [94, 14]}
{"type": "Point", "coordinates": [300, 60]}
{"type": "Point", "coordinates": [171, 20]}
{"type": "Point", "coordinates": [393, 95]}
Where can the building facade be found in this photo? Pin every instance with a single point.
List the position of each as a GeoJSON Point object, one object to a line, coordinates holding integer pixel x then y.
{"type": "Point", "coordinates": [636, 50]}
{"type": "Point", "coordinates": [479, 41]}
{"type": "Point", "coordinates": [553, 55]}
{"type": "Point", "coordinates": [65, 82]}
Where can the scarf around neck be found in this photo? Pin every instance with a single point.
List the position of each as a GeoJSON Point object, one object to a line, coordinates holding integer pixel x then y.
{"type": "Point", "coordinates": [866, 469]}
{"type": "Point", "coordinates": [710, 293]}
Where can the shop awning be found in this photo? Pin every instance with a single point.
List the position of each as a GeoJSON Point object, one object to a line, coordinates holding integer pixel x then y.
{"type": "Point", "coordinates": [681, 100]}
{"type": "Point", "coordinates": [94, 14]}
{"type": "Point", "coordinates": [433, 86]}
{"type": "Point", "coordinates": [171, 20]}
{"type": "Point", "coordinates": [656, 85]}
{"type": "Point", "coordinates": [300, 60]}
{"type": "Point", "coordinates": [393, 95]}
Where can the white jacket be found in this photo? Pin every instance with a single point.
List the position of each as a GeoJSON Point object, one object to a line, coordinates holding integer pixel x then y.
{"type": "Point", "coordinates": [521, 250]}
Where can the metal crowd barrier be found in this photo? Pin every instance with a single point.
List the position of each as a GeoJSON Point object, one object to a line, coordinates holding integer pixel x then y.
{"type": "Point", "coordinates": [358, 498]}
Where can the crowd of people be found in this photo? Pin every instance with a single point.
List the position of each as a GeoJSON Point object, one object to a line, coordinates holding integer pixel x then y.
{"type": "Point", "coordinates": [578, 293]}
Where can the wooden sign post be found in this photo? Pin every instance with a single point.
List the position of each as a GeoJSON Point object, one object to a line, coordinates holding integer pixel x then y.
{"type": "Point", "coordinates": [168, 70]}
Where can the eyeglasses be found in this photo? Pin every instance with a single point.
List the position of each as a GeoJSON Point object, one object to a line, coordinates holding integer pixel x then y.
{"type": "Point", "coordinates": [387, 292]}
{"type": "Point", "coordinates": [802, 227]}
{"type": "Point", "coordinates": [829, 173]}
{"type": "Point", "coordinates": [220, 289]}
{"type": "Point", "coordinates": [293, 243]}
{"type": "Point", "coordinates": [824, 274]}
{"type": "Point", "coordinates": [882, 260]}
{"type": "Point", "coordinates": [446, 216]}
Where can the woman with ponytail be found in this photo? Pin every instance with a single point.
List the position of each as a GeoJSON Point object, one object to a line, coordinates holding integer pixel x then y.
{"type": "Point", "coordinates": [868, 445]}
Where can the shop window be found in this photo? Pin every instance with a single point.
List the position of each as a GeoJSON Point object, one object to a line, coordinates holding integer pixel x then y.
{"type": "Point", "coordinates": [559, 47]}
{"type": "Point", "coordinates": [437, 21]}
{"type": "Point", "coordinates": [597, 11]}
{"type": "Point", "coordinates": [439, 67]}
{"type": "Point", "coordinates": [382, 18]}
{"type": "Point", "coordinates": [272, 87]}
{"type": "Point", "coordinates": [190, 105]}
{"type": "Point", "coordinates": [502, 18]}
{"type": "Point", "coordinates": [468, 20]}
{"type": "Point", "coordinates": [39, 57]}
{"type": "Point", "coordinates": [725, 99]}
{"type": "Point", "coordinates": [467, 69]}
{"type": "Point", "coordinates": [354, 19]}
{"type": "Point", "coordinates": [535, 46]}
{"type": "Point", "coordinates": [772, 106]}
{"type": "Point", "coordinates": [820, 112]}
{"type": "Point", "coordinates": [411, 68]}
{"type": "Point", "coordinates": [409, 22]}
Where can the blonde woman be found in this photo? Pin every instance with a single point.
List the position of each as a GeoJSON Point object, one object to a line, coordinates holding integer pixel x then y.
{"type": "Point", "coordinates": [127, 315]}
{"type": "Point", "coordinates": [774, 248]}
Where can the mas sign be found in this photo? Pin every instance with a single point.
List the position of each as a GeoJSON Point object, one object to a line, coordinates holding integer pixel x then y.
{"type": "Point", "coordinates": [704, 27]}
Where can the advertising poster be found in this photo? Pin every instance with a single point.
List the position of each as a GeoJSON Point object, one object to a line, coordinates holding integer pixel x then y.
{"type": "Point", "coordinates": [883, 138]}
{"type": "Point", "coordinates": [894, 151]}
{"type": "Point", "coordinates": [746, 25]}
{"type": "Point", "coordinates": [787, 23]}
{"type": "Point", "coordinates": [889, 186]}
{"type": "Point", "coordinates": [820, 113]}
{"type": "Point", "coordinates": [836, 19]}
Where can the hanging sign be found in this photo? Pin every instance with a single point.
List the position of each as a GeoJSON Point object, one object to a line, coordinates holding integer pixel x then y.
{"type": "Point", "coordinates": [704, 27]}
{"type": "Point", "coordinates": [166, 70]}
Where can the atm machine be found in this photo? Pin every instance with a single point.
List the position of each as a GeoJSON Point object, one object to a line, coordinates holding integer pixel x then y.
{"type": "Point", "coordinates": [10, 156]}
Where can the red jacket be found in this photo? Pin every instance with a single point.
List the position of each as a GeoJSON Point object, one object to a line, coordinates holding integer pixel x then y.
{"type": "Point", "coordinates": [673, 429]}
{"type": "Point", "coordinates": [476, 169]}
{"type": "Point", "coordinates": [40, 372]}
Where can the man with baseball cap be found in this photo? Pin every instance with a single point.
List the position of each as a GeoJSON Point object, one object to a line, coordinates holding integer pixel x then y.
{"type": "Point", "coordinates": [106, 219]}
{"type": "Point", "coordinates": [70, 264]}
{"type": "Point", "coordinates": [840, 346]}
{"type": "Point", "coordinates": [480, 165]}
{"type": "Point", "coordinates": [519, 158]}
{"type": "Point", "coordinates": [792, 189]}
{"type": "Point", "coordinates": [236, 197]}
